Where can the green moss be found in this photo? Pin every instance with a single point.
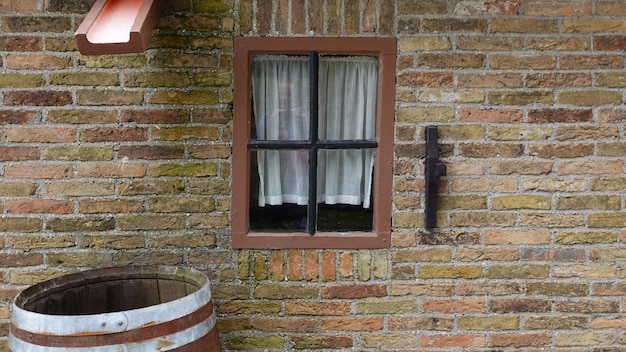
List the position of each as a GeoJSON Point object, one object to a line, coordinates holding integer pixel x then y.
{"type": "Point", "coordinates": [213, 79]}
{"type": "Point", "coordinates": [212, 6]}
{"type": "Point", "coordinates": [114, 61]}
{"type": "Point", "coordinates": [184, 170]}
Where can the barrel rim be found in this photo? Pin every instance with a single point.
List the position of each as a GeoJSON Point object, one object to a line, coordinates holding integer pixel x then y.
{"type": "Point", "coordinates": [112, 322]}
{"type": "Point", "coordinates": [99, 275]}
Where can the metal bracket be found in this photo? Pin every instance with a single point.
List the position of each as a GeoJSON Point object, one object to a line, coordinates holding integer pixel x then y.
{"type": "Point", "coordinates": [434, 168]}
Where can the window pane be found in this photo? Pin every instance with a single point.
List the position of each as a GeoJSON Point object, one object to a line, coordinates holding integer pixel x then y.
{"type": "Point", "coordinates": [344, 176]}
{"type": "Point", "coordinates": [347, 97]}
{"type": "Point", "coordinates": [344, 189]}
{"type": "Point", "coordinates": [343, 218]}
{"type": "Point", "coordinates": [280, 97]}
{"type": "Point", "coordinates": [278, 190]}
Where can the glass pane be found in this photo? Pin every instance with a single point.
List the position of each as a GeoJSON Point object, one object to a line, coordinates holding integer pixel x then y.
{"type": "Point", "coordinates": [344, 189]}
{"type": "Point", "coordinates": [280, 97]}
{"type": "Point", "coordinates": [347, 97]}
{"type": "Point", "coordinates": [278, 190]}
{"type": "Point", "coordinates": [343, 218]}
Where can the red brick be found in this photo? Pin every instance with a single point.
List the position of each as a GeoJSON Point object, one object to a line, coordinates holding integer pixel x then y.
{"type": "Point", "coordinates": [610, 43]}
{"type": "Point", "coordinates": [585, 62]}
{"type": "Point", "coordinates": [316, 18]}
{"type": "Point", "coordinates": [491, 115]}
{"type": "Point", "coordinates": [65, 7]}
{"type": "Point", "coordinates": [589, 305]}
{"type": "Point", "coordinates": [41, 135]}
{"type": "Point", "coordinates": [559, 80]}
{"type": "Point", "coordinates": [520, 340]}
{"type": "Point", "coordinates": [19, 153]}
{"type": "Point", "coordinates": [608, 323]}
{"type": "Point", "coordinates": [38, 98]}
{"type": "Point", "coordinates": [264, 18]}
{"type": "Point", "coordinates": [156, 116]}
{"type": "Point", "coordinates": [611, 8]}
{"type": "Point", "coordinates": [608, 288]}
{"type": "Point", "coordinates": [495, 237]}
{"type": "Point", "coordinates": [277, 271]}
{"type": "Point", "coordinates": [37, 24]}
{"type": "Point", "coordinates": [457, 61]}
{"type": "Point", "coordinates": [463, 305]}
{"type": "Point", "coordinates": [114, 134]}
{"type": "Point", "coordinates": [294, 265]}
{"type": "Point", "coordinates": [37, 62]}
{"type": "Point", "coordinates": [317, 308]}
{"type": "Point", "coordinates": [346, 265]}
{"type": "Point", "coordinates": [353, 324]}
{"type": "Point", "coordinates": [20, 224]}
{"type": "Point", "coordinates": [370, 17]}
{"type": "Point", "coordinates": [518, 305]}
{"type": "Point", "coordinates": [422, 322]}
{"type": "Point", "coordinates": [94, 206]}
{"type": "Point", "coordinates": [426, 79]}
{"type": "Point", "coordinates": [209, 151]}
{"type": "Point", "coordinates": [328, 266]}
{"type": "Point", "coordinates": [111, 170]}
{"type": "Point", "coordinates": [482, 150]}
{"type": "Point", "coordinates": [23, 44]}
{"type": "Point", "coordinates": [21, 6]}
{"type": "Point", "coordinates": [40, 206]}
{"type": "Point", "coordinates": [463, 341]}
{"type": "Point", "coordinates": [560, 115]}
{"type": "Point", "coordinates": [151, 152]}
{"type": "Point", "coordinates": [213, 116]}
{"type": "Point", "coordinates": [12, 117]}
{"type": "Point", "coordinates": [311, 265]}
{"type": "Point", "coordinates": [354, 291]}
{"type": "Point", "coordinates": [591, 167]}
{"type": "Point", "coordinates": [38, 171]}
{"type": "Point", "coordinates": [21, 259]}
{"type": "Point", "coordinates": [298, 17]}
{"type": "Point", "coordinates": [289, 324]}
{"type": "Point", "coordinates": [490, 80]}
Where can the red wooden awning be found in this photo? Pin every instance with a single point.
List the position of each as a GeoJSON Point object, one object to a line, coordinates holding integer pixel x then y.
{"type": "Point", "coordinates": [117, 27]}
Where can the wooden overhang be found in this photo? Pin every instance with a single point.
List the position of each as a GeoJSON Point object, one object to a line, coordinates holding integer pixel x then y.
{"type": "Point", "coordinates": [117, 27]}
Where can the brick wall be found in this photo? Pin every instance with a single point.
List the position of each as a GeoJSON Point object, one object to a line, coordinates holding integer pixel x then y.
{"type": "Point", "coordinates": [117, 160]}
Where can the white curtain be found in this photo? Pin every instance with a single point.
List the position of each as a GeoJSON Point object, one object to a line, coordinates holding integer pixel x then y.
{"type": "Point", "coordinates": [347, 111]}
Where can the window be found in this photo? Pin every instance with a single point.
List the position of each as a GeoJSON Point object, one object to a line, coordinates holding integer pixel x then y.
{"type": "Point", "coordinates": [312, 142]}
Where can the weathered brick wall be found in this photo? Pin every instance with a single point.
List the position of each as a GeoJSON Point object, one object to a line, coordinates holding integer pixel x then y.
{"type": "Point", "coordinates": [118, 160]}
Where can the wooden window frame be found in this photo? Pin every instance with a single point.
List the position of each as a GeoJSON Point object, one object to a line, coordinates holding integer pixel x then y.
{"type": "Point", "coordinates": [380, 236]}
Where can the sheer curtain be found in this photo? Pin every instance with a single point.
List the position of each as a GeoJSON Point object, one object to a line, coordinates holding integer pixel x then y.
{"type": "Point", "coordinates": [347, 111]}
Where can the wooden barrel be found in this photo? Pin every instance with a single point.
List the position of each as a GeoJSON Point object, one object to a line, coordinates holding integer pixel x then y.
{"type": "Point", "coordinates": [132, 308]}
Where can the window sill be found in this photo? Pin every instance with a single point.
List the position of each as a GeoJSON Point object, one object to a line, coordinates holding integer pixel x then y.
{"type": "Point", "coordinates": [321, 240]}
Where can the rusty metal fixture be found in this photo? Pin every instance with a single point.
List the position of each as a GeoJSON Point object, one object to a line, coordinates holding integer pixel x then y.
{"type": "Point", "coordinates": [433, 170]}
{"type": "Point", "coordinates": [117, 27]}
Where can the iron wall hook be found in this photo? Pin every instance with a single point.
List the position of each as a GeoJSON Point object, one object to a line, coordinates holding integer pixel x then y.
{"type": "Point", "coordinates": [434, 168]}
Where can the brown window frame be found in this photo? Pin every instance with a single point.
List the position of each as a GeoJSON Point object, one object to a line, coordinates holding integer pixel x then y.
{"type": "Point", "coordinates": [380, 236]}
